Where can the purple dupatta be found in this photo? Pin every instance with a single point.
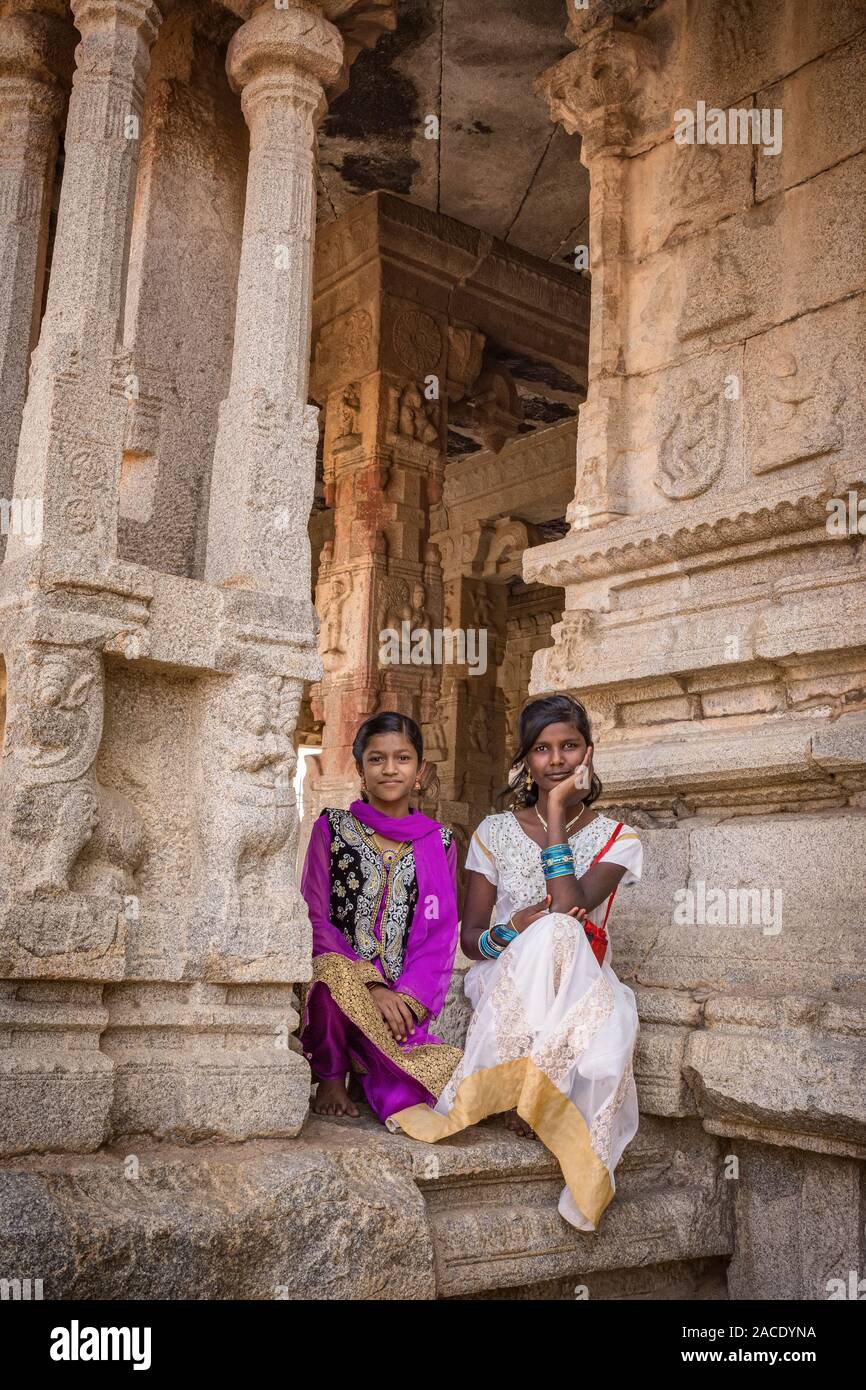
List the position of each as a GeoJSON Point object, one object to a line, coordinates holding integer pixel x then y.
{"type": "Point", "coordinates": [432, 938]}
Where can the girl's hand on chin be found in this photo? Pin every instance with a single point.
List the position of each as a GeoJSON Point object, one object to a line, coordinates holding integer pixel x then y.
{"type": "Point", "coordinates": [581, 781]}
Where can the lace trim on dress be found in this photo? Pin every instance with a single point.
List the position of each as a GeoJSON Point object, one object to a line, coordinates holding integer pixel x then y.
{"type": "Point", "coordinates": [602, 1125]}
{"type": "Point", "coordinates": [514, 1034]}
{"type": "Point", "coordinates": [518, 857]}
{"type": "Point", "coordinates": [565, 1046]}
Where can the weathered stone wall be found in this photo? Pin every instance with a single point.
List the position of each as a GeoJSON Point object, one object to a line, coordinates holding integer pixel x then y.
{"type": "Point", "coordinates": [156, 636]}
{"type": "Point", "coordinates": [714, 622]}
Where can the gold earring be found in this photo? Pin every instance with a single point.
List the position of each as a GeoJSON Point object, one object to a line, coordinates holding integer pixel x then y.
{"type": "Point", "coordinates": [528, 779]}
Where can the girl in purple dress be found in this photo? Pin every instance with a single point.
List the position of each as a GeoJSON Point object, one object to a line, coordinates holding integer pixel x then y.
{"type": "Point", "coordinates": [380, 884]}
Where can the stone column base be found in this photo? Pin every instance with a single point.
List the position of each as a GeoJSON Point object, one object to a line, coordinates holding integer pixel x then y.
{"type": "Point", "coordinates": [200, 1061]}
{"type": "Point", "coordinates": [55, 1084]}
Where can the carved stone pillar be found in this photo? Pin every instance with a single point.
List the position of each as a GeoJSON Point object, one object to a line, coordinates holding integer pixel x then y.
{"type": "Point", "coordinates": [379, 580]}
{"type": "Point", "coordinates": [74, 419]}
{"type": "Point", "coordinates": [476, 714]}
{"type": "Point", "coordinates": [71, 847]}
{"type": "Point", "coordinates": [715, 632]}
{"type": "Point", "coordinates": [282, 61]}
{"type": "Point", "coordinates": [35, 70]}
{"type": "Point", "coordinates": [596, 91]}
{"type": "Point", "coordinates": [384, 365]}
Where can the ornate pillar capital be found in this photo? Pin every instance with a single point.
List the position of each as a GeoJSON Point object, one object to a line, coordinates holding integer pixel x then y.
{"type": "Point", "coordinates": [596, 91]}
{"type": "Point", "coordinates": [294, 53]}
{"type": "Point", "coordinates": [145, 15]}
{"type": "Point", "coordinates": [36, 63]}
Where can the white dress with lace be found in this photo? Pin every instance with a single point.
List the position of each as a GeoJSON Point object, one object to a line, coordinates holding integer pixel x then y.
{"type": "Point", "coordinates": [547, 1001]}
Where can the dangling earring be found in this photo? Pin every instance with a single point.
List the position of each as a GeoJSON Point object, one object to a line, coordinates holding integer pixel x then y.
{"type": "Point", "coordinates": [528, 779]}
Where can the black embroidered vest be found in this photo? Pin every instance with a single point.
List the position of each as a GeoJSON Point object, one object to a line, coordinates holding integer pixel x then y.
{"type": "Point", "coordinates": [358, 882]}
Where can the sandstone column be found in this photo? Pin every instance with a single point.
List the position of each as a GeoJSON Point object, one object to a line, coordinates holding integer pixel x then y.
{"type": "Point", "coordinates": [471, 709]}
{"type": "Point", "coordinates": [35, 69]}
{"type": "Point", "coordinates": [72, 429]}
{"type": "Point", "coordinates": [595, 91]}
{"type": "Point", "coordinates": [384, 461]}
{"type": "Point", "coordinates": [282, 61]}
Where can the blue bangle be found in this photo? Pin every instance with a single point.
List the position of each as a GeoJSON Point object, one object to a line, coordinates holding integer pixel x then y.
{"type": "Point", "coordinates": [501, 932]}
{"type": "Point", "coordinates": [487, 947]}
{"type": "Point", "coordinates": [558, 873]}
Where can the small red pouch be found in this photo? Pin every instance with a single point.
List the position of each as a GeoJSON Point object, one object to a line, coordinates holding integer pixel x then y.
{"type": "Point", "coordinates": [597, 935]}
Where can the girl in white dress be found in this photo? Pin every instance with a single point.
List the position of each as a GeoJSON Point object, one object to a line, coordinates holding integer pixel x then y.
{"type": "Point", "coordinates": [553, 1030]}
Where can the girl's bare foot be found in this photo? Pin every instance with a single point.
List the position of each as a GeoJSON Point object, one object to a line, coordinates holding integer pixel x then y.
{"type": "Point", "coordinates": [519, 1126]}
{"type": "Point", "coordinates": [332, 1098]}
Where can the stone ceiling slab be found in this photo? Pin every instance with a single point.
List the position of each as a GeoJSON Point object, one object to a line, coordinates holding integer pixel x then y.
{"type": "Point", "coordinates": [499, 164]}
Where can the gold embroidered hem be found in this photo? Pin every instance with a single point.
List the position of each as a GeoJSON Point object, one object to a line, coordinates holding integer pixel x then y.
{"type": "Point", "coordinates": [520, 1085]}
{"type": "Point", "coordinates": [417, 1008]}
{"type": "Point", "coordinates": [368, 973]}
{"type": "Point", "coordinates": [431, 1064]}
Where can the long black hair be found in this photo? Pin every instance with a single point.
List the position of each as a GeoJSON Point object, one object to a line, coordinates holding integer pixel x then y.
{"type": "Point", "coordinates": [388, 721]}
{"type": "Point", "coordinates": [534, 717]}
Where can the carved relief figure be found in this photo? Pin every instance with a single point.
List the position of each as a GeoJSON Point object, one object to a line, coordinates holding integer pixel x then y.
{"type": "Point", "coordinates": [56, 805]}
{"type": "Point", "coordinates": [393, 605]}
{"type": "Point", "coordinates": [479, 730]}
{"type": "Point", "coordinates": [692, 449]}
{"type": "Point", "coordinates": [497, 407]}
{"type": "Point", "coordinates": [413, 421]}
{"type": "Point", "coordinates": [789, 429]}
{"type": "Point", "coordinates": [420, 617]}
{"type": "Point", "coordinates": [348, 412]}
{"type": "Point", "coordinates": [334, 601]}
{"type": "Point", "coordinates": [718, 293]}
{"type": "Point", "coordinates": [695, 182]}
{"type": "Point", "coordinates": [568, 656]}
{"type": "Point", "coordinates": [247, 815]}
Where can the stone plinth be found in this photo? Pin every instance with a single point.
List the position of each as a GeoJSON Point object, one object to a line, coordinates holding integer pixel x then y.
{"type": "Point", "coordinates": [456, 1219]}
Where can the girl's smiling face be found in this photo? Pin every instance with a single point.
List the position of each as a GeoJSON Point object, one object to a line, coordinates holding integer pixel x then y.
{"type": "Point", "coordinates": [389, 767]}
{"type": "Point", "coordinates": [555, 754]}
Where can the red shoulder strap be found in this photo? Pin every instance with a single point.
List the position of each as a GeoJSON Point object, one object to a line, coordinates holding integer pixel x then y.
{"type": "Point", "coordinates": [604, 849]}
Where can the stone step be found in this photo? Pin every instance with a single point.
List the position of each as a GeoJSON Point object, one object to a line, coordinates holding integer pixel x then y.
{"type": "Point", "coordinates": [347, 1211]}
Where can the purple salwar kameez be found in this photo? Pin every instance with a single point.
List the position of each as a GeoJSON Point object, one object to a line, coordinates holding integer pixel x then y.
{"type": "Point", "coordinates": [408, 943]}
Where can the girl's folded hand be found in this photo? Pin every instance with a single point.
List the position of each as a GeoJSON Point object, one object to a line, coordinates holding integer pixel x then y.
{"type": "Point", "coordinates": [397, 1015]}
